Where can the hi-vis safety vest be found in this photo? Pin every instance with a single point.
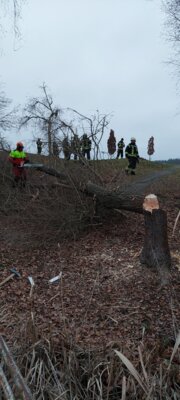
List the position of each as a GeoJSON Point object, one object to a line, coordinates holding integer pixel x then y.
{"type": "Point", "coordinates": [17, 158]}
{"type": "Point", "coordinates": [17, 154]}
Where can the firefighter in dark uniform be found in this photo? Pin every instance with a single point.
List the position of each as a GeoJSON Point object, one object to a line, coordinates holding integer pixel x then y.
{"type": "Point", "coordinates": [66, 148]}
{"type": "Point", "coordinates": [76, 146]}
{"type": "Point", "coordinates": [39, 146]}
{"type": "Point", "coordinates": [132, 155]}
{"type": "Point", "coordinates": [86, 146]}
{"type": "Point", "coordinates": [55, 149]}
{"type": "Point", "coordinates": [121, 146]}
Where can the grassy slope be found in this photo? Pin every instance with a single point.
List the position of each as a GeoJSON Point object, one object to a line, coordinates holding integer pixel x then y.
{"type": "Point", "coordinates": [106, 299]}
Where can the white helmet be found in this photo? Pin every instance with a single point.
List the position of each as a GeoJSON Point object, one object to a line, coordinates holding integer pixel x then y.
{"type": "Point", "coordinates": [133, 139]}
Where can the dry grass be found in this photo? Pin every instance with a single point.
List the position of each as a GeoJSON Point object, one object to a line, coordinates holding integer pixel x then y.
{"type": "Point", "coordinates": [62, 370]}
{"type": "Point", "coordinates": [54, 210]}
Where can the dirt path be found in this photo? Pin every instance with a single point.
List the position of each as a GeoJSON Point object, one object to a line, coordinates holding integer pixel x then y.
{"type": "Point", "coordinates": [139, 186]}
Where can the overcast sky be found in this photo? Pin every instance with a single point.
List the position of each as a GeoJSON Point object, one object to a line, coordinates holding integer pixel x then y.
{"type": "Point", "coordinates": [98, 54]}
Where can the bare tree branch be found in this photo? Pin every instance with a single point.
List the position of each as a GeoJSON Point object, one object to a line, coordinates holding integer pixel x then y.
{"type": "Point", "coordinates": [96, 125]}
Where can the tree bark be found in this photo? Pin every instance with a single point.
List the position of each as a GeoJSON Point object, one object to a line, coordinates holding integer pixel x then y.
{"type": "Point", "coordinates": [156, 251]}
{"type": "Point", "coordinates": [104, 197]}
{"type": "Point", "coordinates": [49, 137]}
{"type": "Point", "coordinates": [52, 172]}
{"type": "Point", "coordinates": [110, 200]}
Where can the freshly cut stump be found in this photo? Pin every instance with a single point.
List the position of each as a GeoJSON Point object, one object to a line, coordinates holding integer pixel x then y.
{"type": "Point", "coordinates": [155, 251]}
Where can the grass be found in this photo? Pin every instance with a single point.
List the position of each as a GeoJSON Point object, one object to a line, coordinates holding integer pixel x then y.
{"type": "Point", "coordinates": [62, 370]}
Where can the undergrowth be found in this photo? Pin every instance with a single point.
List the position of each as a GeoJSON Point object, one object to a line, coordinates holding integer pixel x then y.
{"type": "Point", "coordinates": [59, 369]}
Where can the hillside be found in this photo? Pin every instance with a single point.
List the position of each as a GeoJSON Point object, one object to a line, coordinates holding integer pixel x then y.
{"type": "Point", "coordinates": [105, 299]}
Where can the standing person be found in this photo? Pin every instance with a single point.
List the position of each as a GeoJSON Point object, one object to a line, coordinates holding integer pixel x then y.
{"type": "Point", "coordinates": [39, 146]}
{"type": "Point", "coordinates": [55, 149]}
{"type": "Point", "coordinates": [132, 155]}
{"type": "Point", "coordinates": [66, 148]}
{"type": "Point", "coordinates": [121, 146]}
{"type": "Point", "coordinates": [76, 146]}
{"type": "Point", "coordinates": [86, 146]}
{"type": "Point", "coordinates": [18, 158]}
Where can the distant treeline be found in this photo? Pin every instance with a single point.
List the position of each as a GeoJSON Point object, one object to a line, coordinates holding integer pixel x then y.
{"type": "Point", "coordinates": [170, 161]}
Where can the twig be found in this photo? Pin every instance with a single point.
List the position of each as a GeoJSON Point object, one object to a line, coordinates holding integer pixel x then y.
{"type": "Point", "coordinates": [175, 224]}
{"type": "Point", "coordinates": [5, 385]}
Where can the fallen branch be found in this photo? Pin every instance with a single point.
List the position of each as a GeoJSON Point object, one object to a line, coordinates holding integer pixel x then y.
{"type": "Point", "coordinates": [14, 371]}
{"type": "Point", "coordinates": [175, 224]}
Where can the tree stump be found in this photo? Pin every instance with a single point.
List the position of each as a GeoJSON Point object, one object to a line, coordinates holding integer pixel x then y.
{"type": "Point", "coordinates": [155, 251]}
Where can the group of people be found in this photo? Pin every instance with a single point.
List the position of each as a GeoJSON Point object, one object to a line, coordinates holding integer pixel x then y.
{"type": "Point", "coordinates": [76, 147]}
{"type": "Point", "coordinates": [18, 157]}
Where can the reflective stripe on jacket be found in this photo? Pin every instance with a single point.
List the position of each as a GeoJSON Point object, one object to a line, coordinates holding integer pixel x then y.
{"type": "Point", "coordinates": [86, 144]}
{"type": "Point", "coordinates": [132, 150]}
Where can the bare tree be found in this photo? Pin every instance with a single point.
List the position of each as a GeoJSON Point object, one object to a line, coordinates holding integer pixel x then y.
{"type": "Point", "coordinates": [4, 145]}
{"type": "Point", "coordinates": [94, 126]}
{"type": "Point", "coordinates": [172, 10]}
{"type": "Point", "coordinates": [56, 124]}
{"type": "Point", "coordinates": [12, 9]}
{"type": "Point", "coordinates": [7, 118]}
{"type": "Point", "coordinates": [43, 113]}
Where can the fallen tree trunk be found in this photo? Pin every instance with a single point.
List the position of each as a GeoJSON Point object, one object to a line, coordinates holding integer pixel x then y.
{"type": "Point", "coordinates": [107, 199]}
{"type": "Point", "coordinates": [52, 172]}
{"type": "Point", "coordinates": [125, 201]}
{"type": "Point", "coordinates": [131, 199]}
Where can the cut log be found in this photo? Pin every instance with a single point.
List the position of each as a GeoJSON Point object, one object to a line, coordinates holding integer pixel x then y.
{"type": "Point", "coordinates": [108, 199]}
{"type": "Point", "coordinates": [155, 251]}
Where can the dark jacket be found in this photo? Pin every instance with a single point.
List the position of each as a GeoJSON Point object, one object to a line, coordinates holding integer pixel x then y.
{"type": "Point", "coordinates": [121, 144]}
{"type": "Point", "coordinates": [86, 144]}
{"type": "Point", "coordinates": [132, 151]}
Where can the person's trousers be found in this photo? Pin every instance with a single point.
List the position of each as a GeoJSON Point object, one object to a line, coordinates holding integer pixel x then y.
{"type": "Point", "coordinates": [87, 153]}
{"type": "Point", "coordinates": [132, 164]}
{"type": "Point", "coordinates": [119, 153]}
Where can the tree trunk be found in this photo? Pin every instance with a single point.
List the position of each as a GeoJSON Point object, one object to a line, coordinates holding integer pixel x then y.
{"type": "Point", "coordinates": [49, 137]}
{"type": "Point", "coordinates": [111, 200]}
{"type": "Point", "coordinates": [53, 172]}
{"type": "Point", "coordinates": [155, 251]}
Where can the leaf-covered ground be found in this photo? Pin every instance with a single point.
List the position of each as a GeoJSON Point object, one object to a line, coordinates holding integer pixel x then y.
{"type": "Point", "coordinates": [105, 295]}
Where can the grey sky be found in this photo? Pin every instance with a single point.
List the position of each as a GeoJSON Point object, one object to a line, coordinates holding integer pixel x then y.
{"type": "Point", "coordinates": [98, 54]}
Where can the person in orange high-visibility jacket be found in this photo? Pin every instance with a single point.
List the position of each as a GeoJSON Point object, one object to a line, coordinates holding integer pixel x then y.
{"type": "Point", "coordinates": [18, 158]}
